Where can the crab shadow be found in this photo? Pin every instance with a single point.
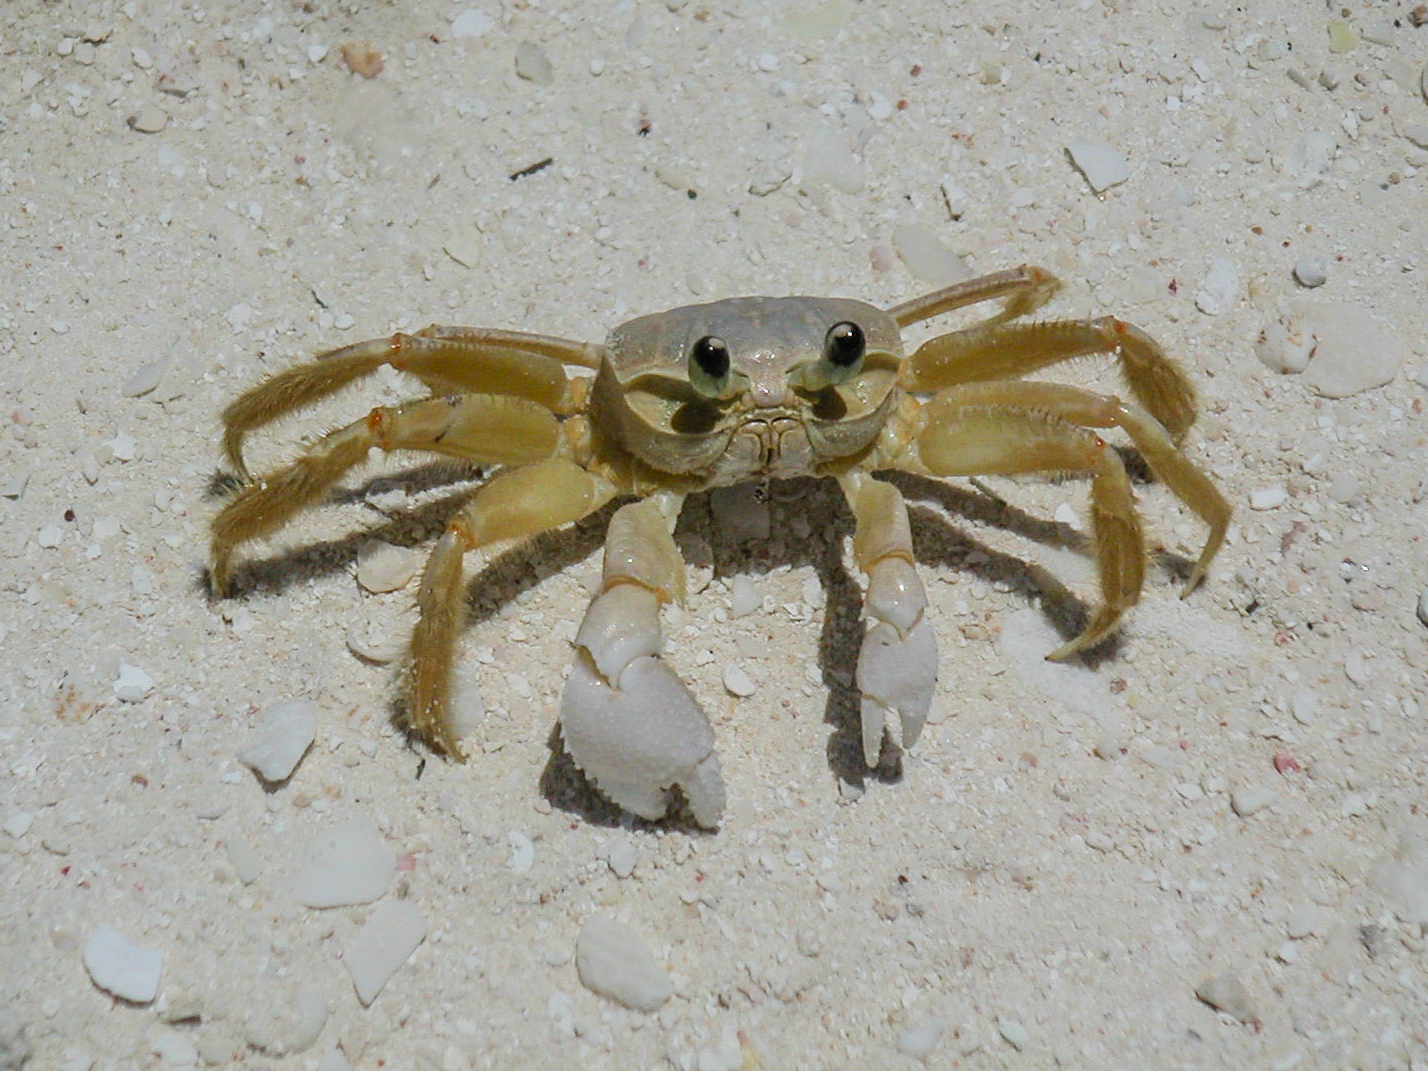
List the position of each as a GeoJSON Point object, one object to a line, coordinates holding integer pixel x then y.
{"type": "Point", "coordinates": [940, 542]}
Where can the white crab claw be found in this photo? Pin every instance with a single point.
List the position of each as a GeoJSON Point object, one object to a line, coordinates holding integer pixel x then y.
{"type": "Point", "coordinates": [897, 667]}
{"type": "Point", "coordinates": [628, 721]}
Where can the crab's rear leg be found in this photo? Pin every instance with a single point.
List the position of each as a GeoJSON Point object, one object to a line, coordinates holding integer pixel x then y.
{"type": "Point", "coordinates": [962, 438]}
{"type": "Point", "coordinates": [897, 665]}
{"type": "Point", "coordinates": [446, 359]}
{"type": "Point", "coordinates": [627, 720]}
{"type": "Point", "coordinates": [483, 428]}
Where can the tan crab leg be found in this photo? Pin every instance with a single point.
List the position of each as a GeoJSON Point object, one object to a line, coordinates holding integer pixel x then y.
{"type": "Point", "coordinates": [627, 720]}
{"type": "Point", "coordinates": [515, 505]}
{"type": "Point", "coordinates": [484, 428]}
{"type": "Point", "coordinates": [1093, 410]}
{"type": "Point", "coordinates": [1026, 289]}
{"type": "Point", "coordinates": [977, 440]}
{"type": "Point", "coordinates": [1008, 351]}
{"type": "Point", "coordinates": [897, 666]}
{"type": "Point", "coordinates": [446, 359]}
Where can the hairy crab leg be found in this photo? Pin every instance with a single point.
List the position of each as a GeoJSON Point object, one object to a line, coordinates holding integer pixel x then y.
{"type": "Point", "coordinates": [446, 359]}
{"type": "Point", "coordinates": [517, 504]}
{"type": "Point", "coordinates": [1089, 409]}
{"type": "Point", "coordinates": [628, 722]}
{"type": "Point", "coordinates": [959, 439]}
{"type": "Point", "coordinates": [1026, 289]}
{"type": "Point", "coordinates": [897, 665]}
{"type": "Point", "coordinates": [999, 351]}
{"type": "Point", "coordinates": [484, 428]}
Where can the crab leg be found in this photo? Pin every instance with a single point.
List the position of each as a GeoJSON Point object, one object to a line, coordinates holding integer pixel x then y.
{"type": "Point", "coordinates": [627, 720]}
{"type": "Point", "coordinates": [1026, 289]}
{"type": "Point", "coordinates": [897, 666]}
{"type": "Point", "coordinates": [446, 359]}
{"type": "Point", "coordinates": [961, 439]}
{"type": "Point", "coordinates": [1092, 410]}
{"type": "Point", "coordinates": [515, 505]}
{"type": "Point", "coordinates": [484, 428]}
{"type": "Point", "coordinates": [998, 351]}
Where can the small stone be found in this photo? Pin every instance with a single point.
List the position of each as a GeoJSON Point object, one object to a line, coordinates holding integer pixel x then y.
{"type": "Point", "coordinates": [919, 1041]}
{"type": "Point", "coordinates": [385, 942]}
{"type": "Point", "coordinates": [1302, 921]}
{"type": "Point", "coordinates": [1418, 134]}
{"type": "Point", "coordinates": [1099, 841]}
{"type": "Point", "coordinates": [744, 597]}
{"type": "Point", "coordinates": [1283, 346]}
{"type": "Point", "coordinates": [382, 567]}
{"type": "Point", "coordinates": [471, 23]}
{"type": "Point", "coordinates": [533, 65]}
{"type": "Point", "coordinates": [738, 682]}
{"type": "Point", "coordinates": [1220, 288]}
{"type": "Point", "coordinates": [1352, 353]}
{"type": "Point", "coordinates": [287, 1021]}
{"type": "Point", "coordinates": [1226, 993]}
{"type": "Point", "coordinates": [1013, 1033]}
{"type": "Point", "coordinates": [246, 862]}
{"type": "Point", "coordinates": [50, 536]}
{"type": "Point", "coordinates": [613, 962]}
{"type": "Point", "coordinates": [1311, 271]}
{"type": "Point", "coordinates": [1267, 498]}
{"type": "Point", "coordinates": [285, 732]}
{"type": "Point", "coordinates": [464, 246]}
{"type": "Point", "coordinates": [829, 162]}
{"type": "Point", "coordinates": [17, 825]}
{"type": "Point", "coordinates": [1251, 799]}
{"type": "Point", "coordinates": [1310, 160]}
{"type": "Point", "coordinates": [14, 486]}
{"type": "Point", "coordinates": [132, 684]}
{"type": "Point", "coordinates": [926, 258]}
{"type": "Point", "coordinates": [1102, 166]}
{"type": "Point", "coordinates": [621, 857]}
{"type": "Point", "coordinates": [144, 380]}
{"type": "Point", "coordinates": [173, 1049]}
{"type": "Point", "coordinates": [522, 851]}
{"type": "Point", "coordinates": [347, 865]}
{"type": "Point", "coordinates": [1422, 608]}
{"type": "Point", "coordinates": [1342, 36]}
{"type": "Point", "coordinates": [150, 119]}
{"type": "Point", "coordinates": [116, 965]}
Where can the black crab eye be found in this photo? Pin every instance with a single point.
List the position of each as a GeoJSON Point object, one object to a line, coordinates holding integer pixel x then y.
{"type": "Point", "coordinates": [844, 346]}
{"type": "Point", "coordinates": [709, 367]}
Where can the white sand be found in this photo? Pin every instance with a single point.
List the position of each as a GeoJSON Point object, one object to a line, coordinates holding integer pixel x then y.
{"type": "Point", "coordinates": [1016, 899]}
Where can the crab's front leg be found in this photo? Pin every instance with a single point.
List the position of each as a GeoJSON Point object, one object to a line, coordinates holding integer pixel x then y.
{"type": "Point", "coordinates": [897, 666]}
{"type": "Point", "coordinates": [627, 720]}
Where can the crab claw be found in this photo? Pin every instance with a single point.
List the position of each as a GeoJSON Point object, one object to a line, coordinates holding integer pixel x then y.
{"type": "Point", "coordinates": [627, 720]}
{"type": "Point", "coordinates": [897, 666]}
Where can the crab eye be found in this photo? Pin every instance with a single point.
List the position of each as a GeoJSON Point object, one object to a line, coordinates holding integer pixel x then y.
{"type": "Point", "coordinates": [709, 366]}
{"type": "Point", "coordinates": [845, 345]}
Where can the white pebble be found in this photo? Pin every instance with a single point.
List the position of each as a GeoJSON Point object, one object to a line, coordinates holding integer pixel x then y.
{"type": "Point", "coordinates": [1101, 164]}
{"type": "Point", "coordinates": [1311, 271]}
{"type": "Point", "coordinates": [132, 684]}
{"type": "Point", "coordinates": [829, 162]}
{"type": "Point", "coordinates": [1422, 609]}
{"type": "Point", "coordinates": [919, 1041]}
{"type": "Point", "coordinates": [317, 52]}
{"type": "Point", "coordinates": [613, 962]}
{"type": "Point", "coordinates": [1251, 799]}
{"type": "Point", "coordinates": [246, 862]}
{"type": "Point", "coordinates": [14, 485]}
{"type": "Point", "coordinates": [150, 119]}
{"type": "Point", "coordinates": [385, 942]}
{"type": "Point", "coordinates": [1013, 1033]}
{"type": "Point", "coordinates": [1220, 288]}
{"type": "Point", "coordinates": [738, 682]}
{"type": "Point", "coordinates": [744, 597]}
{"type": "Point", "coordinates": [1266, 498]}
{"type": "Point", "coordinates": [285, 732]}
{"type": "Point", "coordinates": [533, 65]}
{"type": "Point", "coordinates": [471, 23]}
{"type": "Point", "coordinates": [174, 1049]}
{"type": "Point", "coordinates": [18, 824]}
{"type": "Point", "coordinates": [1310, 159]}
{"type": "Point", "coordinates": [522, 851]}
{"type": "Point", "coordinates": [122, 446]}
{"type": "Point", "coordinates": [116, 965]}
{"type": "Point", "coordinates": [926, 257]}
{"type": "Point", "coordinates": [1352, 353]}
{"type": "Point", "coordinates": [1284, 346]}
{"type": "Point", "coordinates": [382, 567]}
{"type": "Point", "coordinates": [621, 857]}
{"type": "Point", "coordinates": [49, 536]}
{"type": "Point", "coordinates": [1303, 920]}
{"type": "Point", "coordinates": [463, 245]}
{"type": "Point", "coordinates": [1227, 993]}
{"type": "Point", "coordinates": [144, 380]}
{"type": "Point", "coordinates": [347, 865]}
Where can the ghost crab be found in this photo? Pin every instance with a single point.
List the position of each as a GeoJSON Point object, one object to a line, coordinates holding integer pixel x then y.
{"type": "Point", "coordinates": [710, 395]}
